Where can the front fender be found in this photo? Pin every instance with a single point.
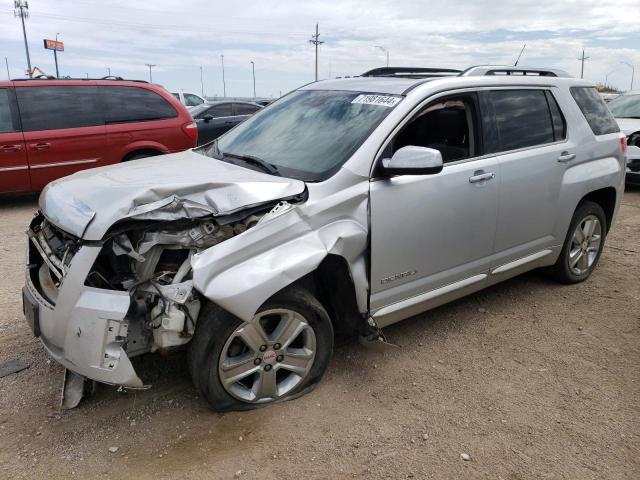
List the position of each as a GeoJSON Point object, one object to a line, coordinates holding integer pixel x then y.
{"type": "Point", "coordinates": [241, 273]}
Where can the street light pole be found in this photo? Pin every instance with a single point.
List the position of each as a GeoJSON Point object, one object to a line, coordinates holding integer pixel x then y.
{"type": "Point", "coordinates": [201, 83]}
{"type": "Point", "coordinates": [633, 72]}
{"type": "Point", "coordinates": [109, 70]}
{"type": "Point", "coordinates": [150, 65]}
{"type": "Point", "coordinates": [6, 62]}
{"type": "Point", "coordinates": [21, 9]}
{"type": "Point", "coordinates": [253, 70]}
{"type": "Point", "coordinates": [55, 56]}
{"type": "Point", "coordinates": [224, 84]}
{"type": "Point", "coordinates": [385, 51]}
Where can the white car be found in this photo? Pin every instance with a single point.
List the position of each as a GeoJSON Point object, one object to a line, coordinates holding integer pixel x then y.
{"type": "Point", "coordinates": [626, 110]}
{"type": "Point", "coordinates": [189, 100]}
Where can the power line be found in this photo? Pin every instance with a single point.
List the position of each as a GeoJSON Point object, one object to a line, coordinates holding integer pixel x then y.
{"type": "Point", "coordinates": [314, 40]}
{"type": "Point", "coordinates": [21, 9]}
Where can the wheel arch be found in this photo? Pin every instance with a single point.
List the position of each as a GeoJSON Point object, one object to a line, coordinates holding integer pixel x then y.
{"type": "Point", "coordinates": [606, 198]}
{"type": "Point", "coordinates": [149, 152]}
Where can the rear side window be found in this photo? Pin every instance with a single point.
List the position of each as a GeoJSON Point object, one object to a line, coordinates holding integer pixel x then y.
{"type": "Point", "coordinates": [133, 104]}
{"type": "Point", "coordinates": [192, 100]}
{"type": "Point", "coordinates": [594, 110]}
{"type": "Point", "coordinates": [222, 110]}
{"type": "Point", "coordinates": [6, 119]}
{"type": "Point", "coordinates": [559, 123]}
{"type": "Point", "coordinates": [522, 118]}
{"type": "Point", "coordinates": [55, 107]}
{"type": "Point", "coordinates": [245, 109]}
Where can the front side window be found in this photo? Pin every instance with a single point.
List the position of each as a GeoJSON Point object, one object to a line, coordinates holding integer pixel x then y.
{"type": "Point", "coordinates": [625, 106]}
{"type": "Point", "coordinates": [523, 119]}
{"type": "Point", "coordinates": [448, 125]}
{"type": "Point", "coordinates": [191, 100]}
{"type": "Point", "coordinates": [309, 134]}
{"type": "Point", "coordinates": [215, 111]}
{"type": "Point", "coordinates": [246, 109]}
{"type": "Point", "coordinates": [55, 107]}
{"type": "Point", "coordinates": [6, 119]}
{"type": "Point", "coordinates": [594, 110]}
{"type": "Point", "coordinates": [134, 104]}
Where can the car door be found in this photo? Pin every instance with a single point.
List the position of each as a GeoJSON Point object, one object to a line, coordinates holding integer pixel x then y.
{"type": "Point", "coordinates": [63, 128]}
{"type": "Point", "coordinates": [214, 121]}
{"type": "Point", "coordinates": [14, 168]}
{"type": "Point", "coordinates": [432, 235]}
{"type": "Point", "coordinates": [531, 148]}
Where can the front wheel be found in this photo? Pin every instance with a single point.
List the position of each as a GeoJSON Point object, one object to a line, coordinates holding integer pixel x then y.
{"type": "Point", "coordinates": [583, 245]}
{"type": "Point", "coordinates": [279, 354]}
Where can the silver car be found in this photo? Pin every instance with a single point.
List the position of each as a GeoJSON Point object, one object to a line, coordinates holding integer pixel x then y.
{"type": "Point", "coordinates": [347, 205]}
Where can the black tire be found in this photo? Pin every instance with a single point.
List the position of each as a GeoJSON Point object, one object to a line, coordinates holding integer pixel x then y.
{"type": "Point", "coordinates": [214, 327]}
{"type": "Point", "coordinates": [561, 270]}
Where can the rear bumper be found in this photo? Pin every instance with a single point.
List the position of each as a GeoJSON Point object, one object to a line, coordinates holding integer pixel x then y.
{"type": "Point", "coordinates": [86, 328]}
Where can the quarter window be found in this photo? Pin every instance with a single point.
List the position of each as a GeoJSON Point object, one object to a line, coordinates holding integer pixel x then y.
{"type": "Point", "coordinates": [523, 118]}
{"type": "Point", "coordinates": [50, 108]}
{"type": "Point", "coordinates": [594, 110]}
{"type": "Point", "coordinates": [134, 104]}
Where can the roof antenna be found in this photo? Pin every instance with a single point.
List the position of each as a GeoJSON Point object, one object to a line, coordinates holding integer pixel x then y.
{"type": "Point", "coordinates": [518, 59]}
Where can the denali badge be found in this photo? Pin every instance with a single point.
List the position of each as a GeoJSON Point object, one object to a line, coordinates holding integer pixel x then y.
{"type": "Point", "coordinates": [398, 276]}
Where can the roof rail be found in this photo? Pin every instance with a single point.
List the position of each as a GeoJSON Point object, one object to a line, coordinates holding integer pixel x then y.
{"type": "Point", "coordinates": [411, 72]}
{"type": "Point", "coordinates": [50, 77]}
{"type": "Point", "coordinates": [482, 70]}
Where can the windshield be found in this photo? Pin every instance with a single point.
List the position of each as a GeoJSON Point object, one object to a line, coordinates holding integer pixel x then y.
{"type": "Point", "coordinates": [308, 134]}
{"type": "Point", "coordinates": [625, 106]}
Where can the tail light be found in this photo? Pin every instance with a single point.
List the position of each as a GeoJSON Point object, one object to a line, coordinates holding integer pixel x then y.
{"type": "Point", "coordinates": [623, 146]}
{"type": "Point", "coordinates": [191, 130]}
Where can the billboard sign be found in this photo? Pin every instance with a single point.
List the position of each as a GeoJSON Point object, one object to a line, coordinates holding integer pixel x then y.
{"type": "Point", "coordinates": [54, 45]}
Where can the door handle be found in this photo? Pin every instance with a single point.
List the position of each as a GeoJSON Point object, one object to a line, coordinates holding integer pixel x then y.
{"type": "Point", "coordinates": [566, 157]}
{"type": "Point", "coordinates": [11, 148]}
{"type": "Point", "coordinates": [480, 176]}
{"type": "Point", "coordinates": [40, 146]}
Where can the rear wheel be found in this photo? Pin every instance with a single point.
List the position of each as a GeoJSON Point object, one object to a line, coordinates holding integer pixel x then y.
{"type": "Point", "coordinates": [282, 351]}
{"type": "Point", "coordinates": [583, 245]}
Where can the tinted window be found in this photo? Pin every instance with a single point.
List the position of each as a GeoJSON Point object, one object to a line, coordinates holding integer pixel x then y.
{"type": "Point", "coordinates": [559, 123]}
{"type": "Point", "coordinates": [176, 95]}
{"type": "Point", "coordinates": [522, 118]}
{"type": "Point", "coordinates": [245, 109]}
{"type": "Point", "coordinates": [6, 121]}
{"type": "Point", "coordinates": [50, 108]}
{"type": "Point", "coordinates": [595, 110]}
{"type": "Point", "coordinates": [133, 104]}
{"type": "Point", "coordinates": [625, 106]}
{"type": "Point", "coordinates": [191, 100]}
{"type": "Point", "coordinates": [221, 110]}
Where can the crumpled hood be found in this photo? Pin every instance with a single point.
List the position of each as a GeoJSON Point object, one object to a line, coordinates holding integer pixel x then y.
{"type": "Point", "coordinates": [629, 125]}
{"type": "Point", "coordinates": [180, 185]}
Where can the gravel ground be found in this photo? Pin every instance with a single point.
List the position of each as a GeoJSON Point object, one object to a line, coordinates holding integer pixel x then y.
{"type": "Point", "coordinates": [529, 379]}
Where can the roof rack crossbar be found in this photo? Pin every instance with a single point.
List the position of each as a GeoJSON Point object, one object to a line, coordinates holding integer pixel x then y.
{"type": "Point", "coordinates": [50, 77]}
{"type": "Point", "coordinates": [487, 70]}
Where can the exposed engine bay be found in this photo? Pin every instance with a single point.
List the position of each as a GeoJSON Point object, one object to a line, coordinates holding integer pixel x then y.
{"type": "Point", "coordinates": [151, 260]}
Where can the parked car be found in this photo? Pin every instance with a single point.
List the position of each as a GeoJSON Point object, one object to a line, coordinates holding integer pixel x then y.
{"type": "Point", "coordinates": [51, 128]}
{"type": "Point", "coordinates": [347, 205]}
{"type": "Point", "coordinates": [626, 110]}
{"type": "Point", "coordinates": [215, 118]}
{"type": "Point", "coordinates": [189, 100]}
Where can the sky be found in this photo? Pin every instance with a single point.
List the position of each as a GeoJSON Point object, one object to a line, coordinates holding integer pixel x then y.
{"type": "Point", "coordinates": [181, 37]}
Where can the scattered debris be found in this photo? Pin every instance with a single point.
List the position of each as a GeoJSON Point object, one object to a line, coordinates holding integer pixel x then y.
{"type": "Point", "coordinates": [482, 310]}
{"type": "Point", "coordinates": [237, 474]}
{"type": "Point", "coordinates": [465, 456]}
{"type": "Point", "coordinates": [114, 449]}
{"type": "Point", "coordinates": [14, 365]}
{"type": "Point", "coordinates": [425, 436]}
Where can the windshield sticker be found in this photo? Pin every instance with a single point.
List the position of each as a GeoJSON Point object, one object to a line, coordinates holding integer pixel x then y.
{"type": "Point", "coordinates": [381, 100]}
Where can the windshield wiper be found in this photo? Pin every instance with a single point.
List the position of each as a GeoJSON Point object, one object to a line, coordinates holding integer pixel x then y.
{"type": "Point", "coordinates": [266, 166]}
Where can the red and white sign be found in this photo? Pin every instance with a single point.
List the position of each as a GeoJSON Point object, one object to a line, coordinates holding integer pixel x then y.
{"type": "Point", "coordinates": [54, 45]}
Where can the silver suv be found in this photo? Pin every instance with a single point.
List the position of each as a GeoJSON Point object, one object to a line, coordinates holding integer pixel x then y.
{"type": "Point", "coordinates": [347, 205]}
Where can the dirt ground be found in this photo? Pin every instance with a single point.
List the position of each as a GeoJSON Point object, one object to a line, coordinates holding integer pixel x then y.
{"type": "Point", "coordinates": [531, 379]}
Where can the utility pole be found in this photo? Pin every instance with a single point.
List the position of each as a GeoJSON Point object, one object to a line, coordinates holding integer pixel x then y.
{"type": "Point", "coordinates": [55, 57]}
{"type": "Point", "coordinates": [384, 50]}
{"type": "Point", "coordinates": [253, 70]}
{"type": "Point", "coordinates": [6, 62]}
{"type": "Point", "coordinates": [109, 70]}
{"type": "Point", "coordinates": [224, 84]}
{"type": "Point", "coordinates": [633, 72]}
{"type": "Point", "coordinates": [150, 65]}
{"type": "Point", "coordinates": [314, 40]}
{"type": "Point", "coordinates": [518, 59]}
{"type": "Point", "coordinates": [582, 59]}
{"type": "Point", "coordinates": [21, 9]}
{"type": "Point", "coordinates": [201, 83]}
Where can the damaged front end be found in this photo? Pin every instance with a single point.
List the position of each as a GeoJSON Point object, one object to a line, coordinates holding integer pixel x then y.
{"type": "Point", "coordinates": [97, 304]}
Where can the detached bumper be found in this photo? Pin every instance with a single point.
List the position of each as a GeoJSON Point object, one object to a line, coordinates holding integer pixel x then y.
{"type": "Point", "coordinates": [85, 329]}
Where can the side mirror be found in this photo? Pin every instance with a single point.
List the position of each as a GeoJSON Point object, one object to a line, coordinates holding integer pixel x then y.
{"type": "Point", "coordinates": [207, 118]}
{"type": "Point", "coordinates": [412, 160]}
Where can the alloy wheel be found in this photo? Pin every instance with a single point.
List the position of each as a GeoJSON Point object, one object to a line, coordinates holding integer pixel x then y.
{"type": "Point", "coordinates": [585, 245]}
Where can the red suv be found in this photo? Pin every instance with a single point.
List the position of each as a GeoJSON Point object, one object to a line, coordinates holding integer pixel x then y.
{"type": "Point", "coordinates": [51, 128]}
